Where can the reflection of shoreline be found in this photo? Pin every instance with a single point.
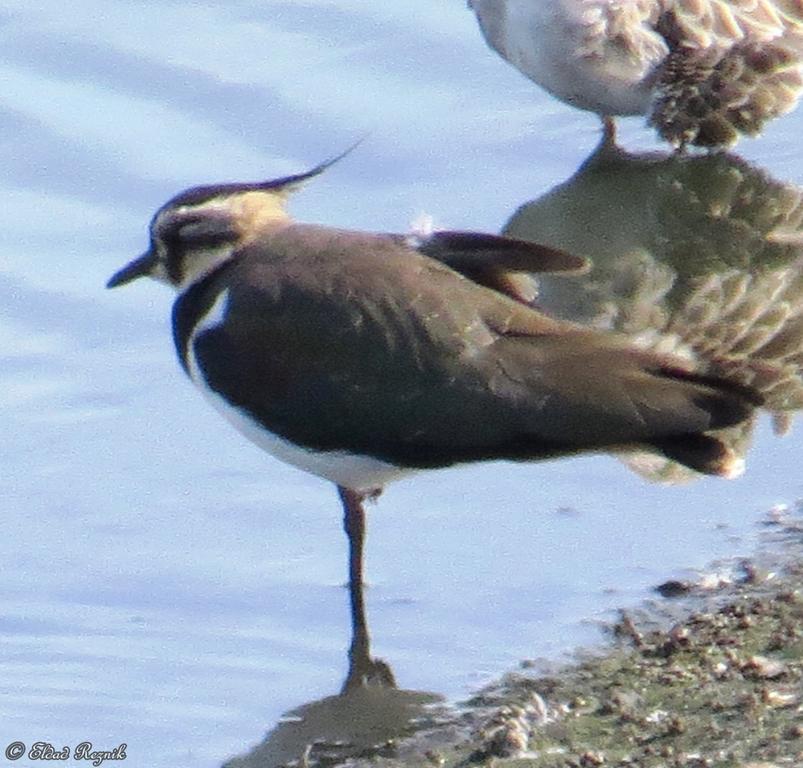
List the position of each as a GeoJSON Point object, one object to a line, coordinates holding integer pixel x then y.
{"type": "Point", "coordinates": [697, 255]}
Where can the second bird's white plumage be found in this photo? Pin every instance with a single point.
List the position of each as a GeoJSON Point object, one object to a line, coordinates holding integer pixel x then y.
{"type": "Point", "coordinates": [611, 56]}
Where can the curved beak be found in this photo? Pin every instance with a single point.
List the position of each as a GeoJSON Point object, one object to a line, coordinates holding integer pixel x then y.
{"type": "Point", "coordinates": [140, 267]}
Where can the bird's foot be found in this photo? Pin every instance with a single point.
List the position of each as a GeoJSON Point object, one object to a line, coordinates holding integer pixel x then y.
{"type": "Point", "coordinates": [608, 132]}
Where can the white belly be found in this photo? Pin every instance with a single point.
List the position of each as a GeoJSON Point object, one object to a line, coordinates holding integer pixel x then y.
{"type": "Point", "coordinates": [353, 471]}
{"type": "Point", "coordinates": [567, 48]}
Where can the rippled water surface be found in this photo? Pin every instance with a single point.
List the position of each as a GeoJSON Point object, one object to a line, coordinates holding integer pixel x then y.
{"type": "Point", "coordinates": [167, 585]}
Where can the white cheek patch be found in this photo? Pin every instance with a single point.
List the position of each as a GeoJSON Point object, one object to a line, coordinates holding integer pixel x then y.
{"type": "Point", "coordinates": [159, 272]}
{"type": "Point", "coordinates": [199, 263]}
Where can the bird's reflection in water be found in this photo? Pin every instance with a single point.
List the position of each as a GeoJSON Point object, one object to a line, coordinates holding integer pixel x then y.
{"type": "Point", "coordinates": [694, 254]}
{"type": "Point", "coordinates": [364, 719]}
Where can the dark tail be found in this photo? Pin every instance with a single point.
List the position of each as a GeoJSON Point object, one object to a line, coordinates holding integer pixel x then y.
{"type": "Point", "coordinates": [702, 453]}
{"type": "Point", "coordinates": [728, 404]}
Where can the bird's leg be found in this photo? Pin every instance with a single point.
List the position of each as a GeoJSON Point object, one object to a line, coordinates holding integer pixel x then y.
{"type": "Point", "coordinates": [607, 150]}
{"type": "Point", "coordinates": [362, 668]}
{"type": "Point", "coordinates": [608, 131]}
{"type": "Point", "coordinates": [354, 526]}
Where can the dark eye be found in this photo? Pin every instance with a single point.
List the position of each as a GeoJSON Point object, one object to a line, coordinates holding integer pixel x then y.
{"type": "Point", "coordinates": [183, 235]}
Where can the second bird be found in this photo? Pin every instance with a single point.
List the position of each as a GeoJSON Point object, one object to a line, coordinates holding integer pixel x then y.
{"type": "Point", "coordinates": [704, 72]}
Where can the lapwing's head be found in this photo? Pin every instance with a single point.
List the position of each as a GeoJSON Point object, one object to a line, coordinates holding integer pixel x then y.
{"type": "Point", "coordinates": [201, 228]}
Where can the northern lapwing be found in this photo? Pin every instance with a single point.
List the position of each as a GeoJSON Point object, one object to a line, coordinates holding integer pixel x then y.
{"type": "Point", "coordinates": [703, 71]}
{"type": "Point", "coordinates": [362, 358]}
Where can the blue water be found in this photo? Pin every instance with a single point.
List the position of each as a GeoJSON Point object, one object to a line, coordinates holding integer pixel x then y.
{"type": "Point", "coordinates": [167, 585]}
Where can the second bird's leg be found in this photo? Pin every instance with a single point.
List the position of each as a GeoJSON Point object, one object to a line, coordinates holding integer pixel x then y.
{"type": "Point", "coordinates": [608, 131]}
{"type": "Point", "coordinates": [362, 668]}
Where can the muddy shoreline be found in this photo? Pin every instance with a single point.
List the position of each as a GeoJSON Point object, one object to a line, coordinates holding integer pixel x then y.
{"type": "Point", "coordinates": [712, 676]}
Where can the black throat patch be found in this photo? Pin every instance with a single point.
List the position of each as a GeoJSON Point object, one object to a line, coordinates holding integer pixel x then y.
{"type": "Point", "coordinates": [192, 305]}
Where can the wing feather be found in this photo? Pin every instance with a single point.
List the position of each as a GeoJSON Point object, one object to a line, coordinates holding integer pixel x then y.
{"type": "Point", "coordinates": [732, 67]}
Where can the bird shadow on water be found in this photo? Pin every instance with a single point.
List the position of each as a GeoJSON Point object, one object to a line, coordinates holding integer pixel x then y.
{"type": "Point", "coordinates": [699, 256]}
{"type": "Point", "coordinates": [696, 255]}
{"type": "Point", "coordinates": [365, 718]}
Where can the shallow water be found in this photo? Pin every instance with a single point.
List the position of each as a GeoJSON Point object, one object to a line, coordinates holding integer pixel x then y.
{"type": "Point", "coordinates": [166, 584]}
